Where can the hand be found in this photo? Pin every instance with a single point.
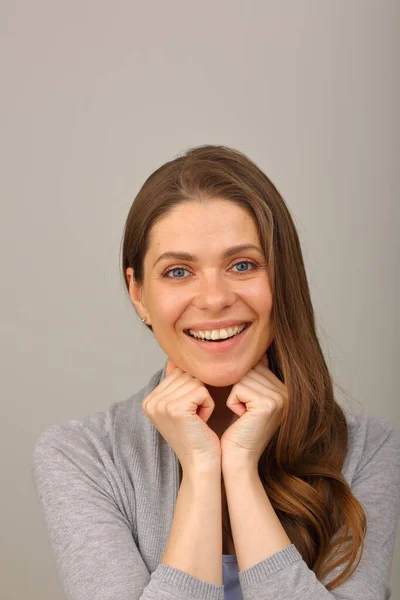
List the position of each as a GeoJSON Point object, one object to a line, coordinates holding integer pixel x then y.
{"type": "Point", "coordinates": [179, 407]}
{"type": "Point", "coordinates": [258, 400]}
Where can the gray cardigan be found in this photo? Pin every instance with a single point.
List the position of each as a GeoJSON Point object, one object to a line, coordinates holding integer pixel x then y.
{"type": "Point", "coordinates": [107, 484]}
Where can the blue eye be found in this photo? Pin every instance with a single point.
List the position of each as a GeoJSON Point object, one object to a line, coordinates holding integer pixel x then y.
{"type": "Point", "coordinates": [245, 262]}
{"type": "Point", "coordinates": [241, 262]}
{"type": "Point", "coordinates": [165, 274]}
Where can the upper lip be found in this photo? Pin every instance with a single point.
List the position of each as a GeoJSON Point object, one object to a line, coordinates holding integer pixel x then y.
{"type": "Point", "coordinates": [216, 324]}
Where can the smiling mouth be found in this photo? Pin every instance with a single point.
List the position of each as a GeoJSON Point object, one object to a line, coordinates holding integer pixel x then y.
{"type": "Point", "coordinates": [247, 325]}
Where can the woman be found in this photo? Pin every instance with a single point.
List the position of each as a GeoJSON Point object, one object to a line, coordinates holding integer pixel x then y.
{"type": "Point", "coordinates": [234, 473]}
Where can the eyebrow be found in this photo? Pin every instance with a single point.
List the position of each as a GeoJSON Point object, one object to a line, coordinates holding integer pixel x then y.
{"type": "Point", "coordinates": [191, 258]}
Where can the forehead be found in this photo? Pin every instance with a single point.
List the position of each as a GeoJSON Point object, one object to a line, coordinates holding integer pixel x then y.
{"type": "Point", "coordinates": [217, 222]}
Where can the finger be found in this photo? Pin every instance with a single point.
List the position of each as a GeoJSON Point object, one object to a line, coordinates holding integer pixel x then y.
{"type": "Point", "coordinates": [261, 378]}
{"type": "Point", "coordinates": [173, 389]}
{"type": "Point", "coordinates": [266, 393]}
{"type": "Point", "coordinates": [260, 368]}
{"type": "Point", "coordinates": [172, 373]}
{"type": "Point", "coordinates": [170, 367]}
{"type": "Point", "coordinates": [254, 378]}
{"type": "Point", "coordinates": [183, 388]}
{"type": "Point", "coordinates": [243, 394]}
{"type": "Point", "coordinates": [193, 397]}
{"type": "Point", "coordinates": [178, 379]}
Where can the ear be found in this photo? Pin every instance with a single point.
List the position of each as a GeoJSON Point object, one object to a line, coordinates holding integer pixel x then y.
{"type": "Point", "coordinates": [135, 293]}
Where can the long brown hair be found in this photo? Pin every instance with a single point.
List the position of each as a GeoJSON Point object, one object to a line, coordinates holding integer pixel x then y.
{"type": "Point", "coordinates": [301, 467]}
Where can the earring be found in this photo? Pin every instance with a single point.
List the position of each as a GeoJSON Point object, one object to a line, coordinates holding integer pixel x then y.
{"type": "Point", "coordinates": [143, 319]}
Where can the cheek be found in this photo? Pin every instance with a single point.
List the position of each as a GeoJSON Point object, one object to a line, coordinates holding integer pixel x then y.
{"type": "Point", "coordinates": [259, 298]}
{"type": "Point", "coordinates": [168, 309]}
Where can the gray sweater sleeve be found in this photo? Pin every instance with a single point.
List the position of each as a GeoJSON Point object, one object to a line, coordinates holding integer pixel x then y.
{"type": "Point", "coordinates": [91, 539]}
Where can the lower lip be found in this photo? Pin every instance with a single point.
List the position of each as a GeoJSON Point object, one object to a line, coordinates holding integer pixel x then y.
{"type": "Point", "coordinates": [218, 347]}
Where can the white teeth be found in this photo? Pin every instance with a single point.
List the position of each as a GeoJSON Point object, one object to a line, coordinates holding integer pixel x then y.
{"type": "Point", "coordinates": [217, 334]}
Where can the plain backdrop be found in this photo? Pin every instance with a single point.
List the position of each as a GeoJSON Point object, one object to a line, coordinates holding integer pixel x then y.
{"type": "Point", "coordinates": [95, 96]}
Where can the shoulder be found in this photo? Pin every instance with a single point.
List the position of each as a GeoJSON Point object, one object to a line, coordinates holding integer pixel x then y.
{"type": "Point", "coordinates": [372, 441]}
{"type": "Point", "coordinates": [102, 434]}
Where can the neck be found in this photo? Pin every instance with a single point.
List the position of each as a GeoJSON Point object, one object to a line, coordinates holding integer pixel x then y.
{"type": "Point", "coordinates": [221, 417]}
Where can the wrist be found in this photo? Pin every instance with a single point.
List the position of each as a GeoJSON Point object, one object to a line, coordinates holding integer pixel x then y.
{"type": "Point", "coordinates": [238, 466]}
{"type": "Point", "coordinates": [200, 468]}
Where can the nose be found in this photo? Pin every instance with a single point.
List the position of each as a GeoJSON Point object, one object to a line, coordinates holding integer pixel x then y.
{"type": "Point", "coordinates": [214, 293]}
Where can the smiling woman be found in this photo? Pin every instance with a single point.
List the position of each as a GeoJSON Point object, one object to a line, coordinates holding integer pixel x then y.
{"type": "Point", "coordinates": [237, 446]}
{"type": "Point", "coordinates": [183, 267]}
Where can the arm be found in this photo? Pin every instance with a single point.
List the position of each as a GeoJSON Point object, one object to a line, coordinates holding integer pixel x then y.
{"type": "Point", "coordinates": [270, 569]}
{"type": "Point", "coordinates": [195, 540]}
{"type": "Point", "coordinates": [256, 529]}
{"type": "Point", "coordinates": [91, 537]}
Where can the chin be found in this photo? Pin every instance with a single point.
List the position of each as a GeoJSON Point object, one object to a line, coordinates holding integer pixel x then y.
{"type": "Point", "coordinates": [220, 379]}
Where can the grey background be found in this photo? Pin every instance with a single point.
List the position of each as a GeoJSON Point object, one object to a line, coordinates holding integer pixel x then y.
{"type": "Point", "coordinates": [95, 96]}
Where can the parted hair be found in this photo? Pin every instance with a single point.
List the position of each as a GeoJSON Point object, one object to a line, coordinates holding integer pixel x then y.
{"type": "Point", "coordinates": [301, 467]}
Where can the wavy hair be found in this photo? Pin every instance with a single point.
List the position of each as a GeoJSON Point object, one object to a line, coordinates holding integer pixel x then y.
{"type": "Point", "coordinates": [301, 467]}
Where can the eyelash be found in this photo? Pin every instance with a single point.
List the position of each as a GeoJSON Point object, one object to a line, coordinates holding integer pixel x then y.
{"type": "Point", "coordinates": [165, 273]}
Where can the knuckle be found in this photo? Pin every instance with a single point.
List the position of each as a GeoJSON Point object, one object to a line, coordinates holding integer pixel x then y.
{"type": "Point", "coordinates": [172, 409]}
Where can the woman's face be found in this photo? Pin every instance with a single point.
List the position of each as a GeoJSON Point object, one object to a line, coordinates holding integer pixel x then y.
{"type": "Point", "coordinates": [178, 293]}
